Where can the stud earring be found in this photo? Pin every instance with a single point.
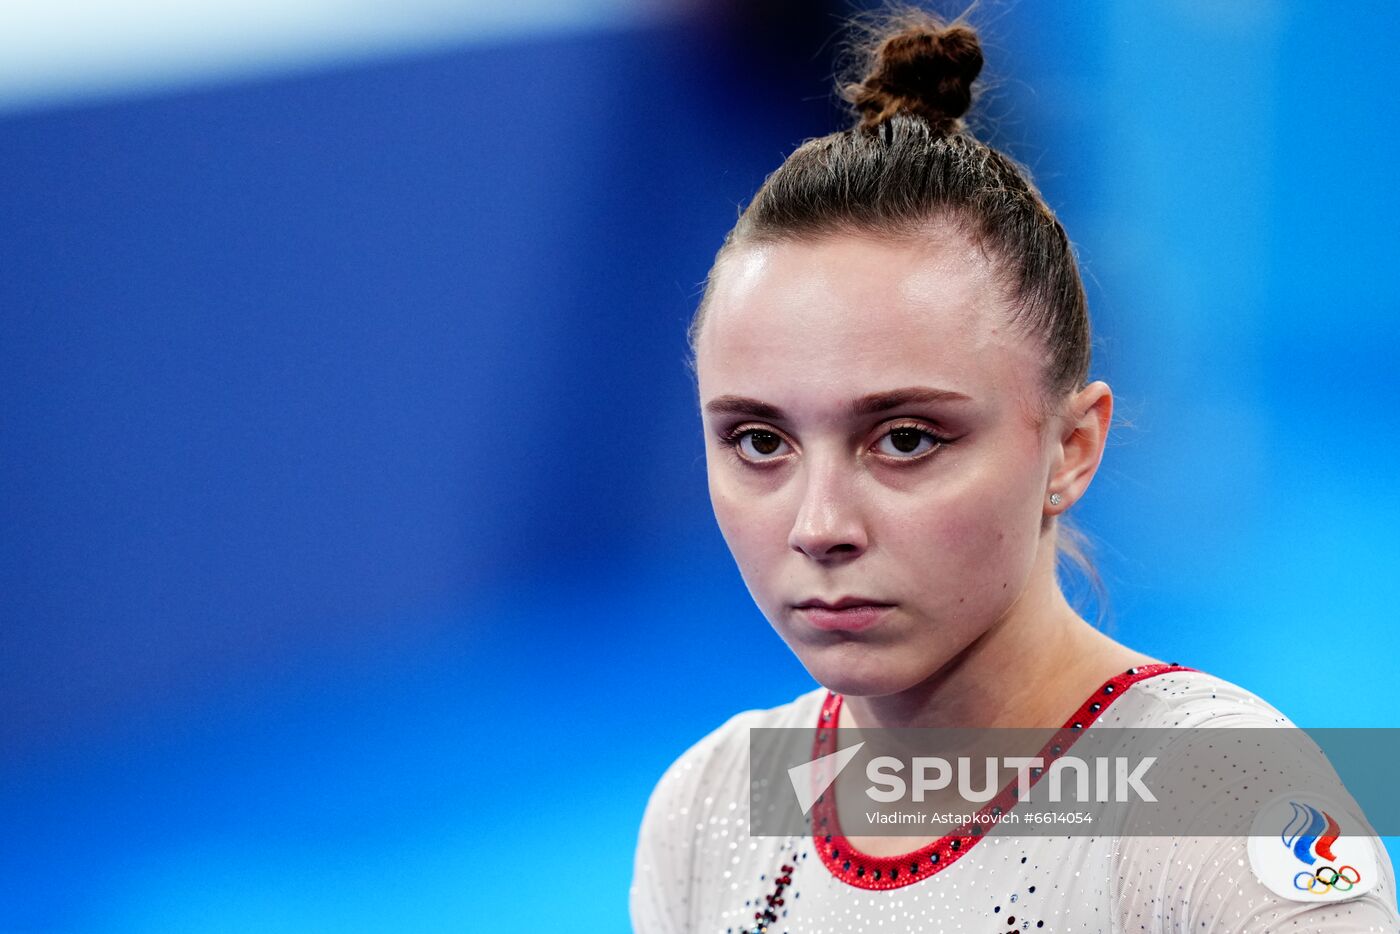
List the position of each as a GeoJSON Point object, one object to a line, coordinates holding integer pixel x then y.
{"type": "Point", "coordinates": [1054, 499]}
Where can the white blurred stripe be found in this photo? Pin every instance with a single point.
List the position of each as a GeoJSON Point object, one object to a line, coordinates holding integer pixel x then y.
{"type": "Point", "coordinates": [55, 51]}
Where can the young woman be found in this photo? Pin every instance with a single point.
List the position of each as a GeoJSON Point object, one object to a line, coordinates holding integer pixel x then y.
{"type": "Point", "coordinates": [892, 357]}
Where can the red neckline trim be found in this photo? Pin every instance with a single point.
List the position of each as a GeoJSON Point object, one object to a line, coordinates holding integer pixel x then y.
{"type": "Point", "coordinates": [865, 871]}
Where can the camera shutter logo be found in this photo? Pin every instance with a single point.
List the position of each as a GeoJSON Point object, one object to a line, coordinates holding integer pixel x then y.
{"type": "Point", "coordinates": [810, 779]}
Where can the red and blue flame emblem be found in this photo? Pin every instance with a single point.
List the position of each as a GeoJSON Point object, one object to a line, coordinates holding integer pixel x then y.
{"type": "Point", "coordinates": [1310, 834]}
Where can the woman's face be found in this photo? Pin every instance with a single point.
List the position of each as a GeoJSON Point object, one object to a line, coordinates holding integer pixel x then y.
{"type": "Point", "coordinates": [871, 432]}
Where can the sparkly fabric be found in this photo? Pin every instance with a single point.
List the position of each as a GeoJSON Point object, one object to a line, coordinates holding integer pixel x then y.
{"type": "Point", "coordinates": [698, 869]}
{"type": "Point", "coordinates": [891, 872]}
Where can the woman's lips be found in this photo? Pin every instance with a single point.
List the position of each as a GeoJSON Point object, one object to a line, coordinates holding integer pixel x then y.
{"type": "Point", "coordinates": [851, 619]}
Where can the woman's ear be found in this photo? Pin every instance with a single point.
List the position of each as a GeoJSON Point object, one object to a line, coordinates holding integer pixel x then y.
{"type": "Point", "coordinates": [1083, 433]}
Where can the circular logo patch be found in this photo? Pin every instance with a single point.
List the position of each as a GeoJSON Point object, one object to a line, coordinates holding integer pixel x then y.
{"type": "Point", "coordinates": [1310, 849]}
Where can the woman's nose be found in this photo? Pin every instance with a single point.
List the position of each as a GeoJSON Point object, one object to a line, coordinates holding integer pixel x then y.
{"type": "Point", "coordinates": [828, 524]}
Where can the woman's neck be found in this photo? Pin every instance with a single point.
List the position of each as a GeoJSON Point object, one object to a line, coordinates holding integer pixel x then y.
{"type": "Point", "coordinates": [1031, 669]}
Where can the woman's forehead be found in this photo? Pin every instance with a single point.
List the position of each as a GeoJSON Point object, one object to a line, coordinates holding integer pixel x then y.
{"type": "Point", "coordinates": [861, 312]}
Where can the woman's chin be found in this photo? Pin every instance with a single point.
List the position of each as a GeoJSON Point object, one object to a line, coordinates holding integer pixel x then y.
{"type": "Point", "coordinates": [856, 673]}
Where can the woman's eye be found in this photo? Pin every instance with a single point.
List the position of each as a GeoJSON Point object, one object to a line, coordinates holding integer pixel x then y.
{"type": "Point", "coordinates": [757, 445]}
{"type": "Point", "coordinates": [907, 441]}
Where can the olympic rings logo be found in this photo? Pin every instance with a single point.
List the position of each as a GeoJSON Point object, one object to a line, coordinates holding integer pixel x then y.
{"type": "Point", "coordinates": [1327, 883]}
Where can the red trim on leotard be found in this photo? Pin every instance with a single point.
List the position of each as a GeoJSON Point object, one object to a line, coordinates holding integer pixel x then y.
{"type": "Point", "coordinates": [865, 871]}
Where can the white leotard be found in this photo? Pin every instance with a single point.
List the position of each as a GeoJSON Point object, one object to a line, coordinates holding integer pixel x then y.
{"type": "Point", "coordinates": [698, 869]}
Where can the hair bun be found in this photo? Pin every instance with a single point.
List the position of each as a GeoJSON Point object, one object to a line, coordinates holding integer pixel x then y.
{"type": "Point", "coordinates": [924, 69]}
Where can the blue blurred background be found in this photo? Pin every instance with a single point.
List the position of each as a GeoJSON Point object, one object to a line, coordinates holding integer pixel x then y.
{"type": "Point", "coordinates": [357, 569]}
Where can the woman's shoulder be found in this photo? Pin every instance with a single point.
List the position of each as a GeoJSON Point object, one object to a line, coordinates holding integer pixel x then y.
{"type": "Point", "coordinates": [1185, 697]}
{"type": "Point", "coordinates": [716, 752]}
{"type": "Point", "coordinates": [707, 783]}
{"type": "Point", "coordinates": [1195, 852]}
{"type": "Point", "coordinates": [801, 711]}
{"type": "Point", "coordinates": [716, 765]}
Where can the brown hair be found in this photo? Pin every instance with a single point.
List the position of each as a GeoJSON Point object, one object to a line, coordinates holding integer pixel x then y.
{"type": "Point", "coordinates": [908, 161]}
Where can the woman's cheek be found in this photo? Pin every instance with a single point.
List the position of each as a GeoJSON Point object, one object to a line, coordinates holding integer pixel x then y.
{"type": "Point", "coordinates": [752, 532]}
{"type": "Point", "coordinates": [971, 549]}
{"type": "Point", "coordinates": [727, 516]}
{"type": "Point", "coordinates": [727, 502]}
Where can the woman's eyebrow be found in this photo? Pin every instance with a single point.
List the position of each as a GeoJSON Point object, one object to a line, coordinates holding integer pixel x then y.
{"type": "Point", "coordinates": [743, 405]}
{"type": "Point", "coordinates": [881, 401]}
{"type": "Point", "coordinates": [865, 405]}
